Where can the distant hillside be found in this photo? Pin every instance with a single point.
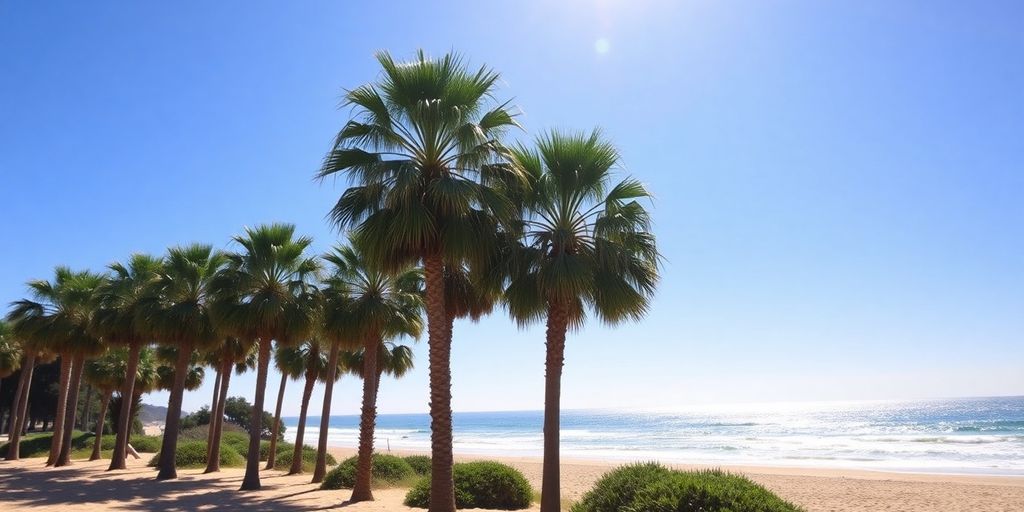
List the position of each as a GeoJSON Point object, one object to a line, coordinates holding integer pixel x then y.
{"type": "Point", "coordinates": [152, 413]}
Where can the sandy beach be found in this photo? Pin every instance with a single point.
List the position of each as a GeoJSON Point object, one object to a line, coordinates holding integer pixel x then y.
{"type": "Point", "coordinates": [86, 486]}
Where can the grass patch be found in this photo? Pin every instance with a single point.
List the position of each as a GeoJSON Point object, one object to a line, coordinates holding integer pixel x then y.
{"type": "Point", "coordinates": [286, 452]}
{"type": "Point", "coordinates": [420, 463]}
{"type": "Point", "coordinates": [387, 471]}
{"type": "Point", "coordinates": [192, 454]}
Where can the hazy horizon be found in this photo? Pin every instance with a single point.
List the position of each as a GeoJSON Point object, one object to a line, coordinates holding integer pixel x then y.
{"type": "Point", "coordinates": [838, 185]}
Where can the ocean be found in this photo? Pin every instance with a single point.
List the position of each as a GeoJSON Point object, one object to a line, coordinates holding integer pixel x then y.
{"type": "Point", "coordinates": [964, 435]}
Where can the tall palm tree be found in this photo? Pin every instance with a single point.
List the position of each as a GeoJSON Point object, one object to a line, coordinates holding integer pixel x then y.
{"type": "Point", "coordinates": [587, 246]}
{"type": "Point", "coordinates": [268, 295]}
{"type": "Point", "coordinates": [58, 318]}
{"type": "Point", "coordinates": [105, 373]}
{"type": "Point", "coordinates": [240, 355]}
{"type": "Point", "coordinates": [176, 307]}
{"type": "Point", "coordinates": [290, 362]}
{"type": "Point", "coordinates": [19, 408]}
{"type": "Point", "coordinates": [383, 305]}
{"type": "Point", "coordinates": [393, 359]}
{"type": "Point", "coordinates": [315, 362]}
{"type": "Point", "coordinates": [337, 328]}
{"type": "Point", "coordinates": [419, 154]}
{"type": "Point", "coordinates": [148, 371]}
{"type": "Point", "coordinates": [118, 319]}
{"type": "Point", "coordinates": [10, 361]}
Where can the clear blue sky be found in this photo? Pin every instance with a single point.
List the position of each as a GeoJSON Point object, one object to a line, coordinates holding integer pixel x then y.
{"type": "Point", "coordinates": [839, 184]}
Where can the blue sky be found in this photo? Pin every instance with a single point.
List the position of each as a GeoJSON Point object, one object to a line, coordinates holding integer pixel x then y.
{"type": "Point", "coordinates": [838, 183]}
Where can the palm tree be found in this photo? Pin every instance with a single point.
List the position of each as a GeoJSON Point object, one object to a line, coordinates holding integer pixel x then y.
{"type": "Point", "coordinates": [290, 361]}
{"type": "Point", "coordinates": [118, 319]}
{"type": "Point", "coordinates": [151, 372]}
{"type": "Point", "coordinates": [337, 328]}
{"type": "Point", "coordinates": [393, 359]}
{"type": "Point", "coordinates": [232, 353]}
{"type": "Point", "coordinates": [420, 152]}
{"type": "Point", "coordinates": [10, 361]}
{"type": "Point", "coordinates": [315, 369]}
{"type": "Point", "coordinates": [268, 295]}
{"type": "Point", "coordinates": [19, 407]}
{"type": "Point", "coordinates": [382, 305]}
{"type": "Point", "coordinates": [105, 373]}
{"type": "Point", "coordinates": [176, 307]}
{"type": "Point", "coordinates": [587, 246]}
{"type": "Point", "coordinates": [58, 318]}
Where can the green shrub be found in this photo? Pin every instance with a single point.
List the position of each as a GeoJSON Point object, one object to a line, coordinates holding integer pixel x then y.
{"type": "Point", "coordinates": [107, 442]}
{"type": "Point", "coordinates": [654, 488]}
{"type": "Point", "coordinates": [38, 445]}
{"type": "Point", "coordinates": [617, 488]}
{"type": "Point", "coordinates": [420, 463]}
{"type": "Point", "coordinates": [192, 454]}
{"type": "Point", "coordinates": [146, 444]}
{"type": "Point", "coordinates": [482, 484]}
{"type": "Point", "coordinates": [237, 440]}
{"type": "Point", "coordinates": [387, 471]}
{"type": "Point", "coordinates": [286, 451]}
{"type": "Point", "coordinates": [197, 433]}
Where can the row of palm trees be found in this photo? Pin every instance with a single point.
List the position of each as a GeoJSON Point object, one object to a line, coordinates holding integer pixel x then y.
{"type": "Point", "coordinates": [225, 306]}
{"type": "Point", "coordinates": [446, 220]}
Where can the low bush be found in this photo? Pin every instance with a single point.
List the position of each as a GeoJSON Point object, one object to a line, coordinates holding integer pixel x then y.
{"type": "Point", "coordinates": [286, 452]}
{"type": "Point", "coordinates": [192, 454]}
{"type": "Point", "coordinates": [146, 444]}
{"type": "Point", "coordinates": [482, 484]}
{"type": "Point", "coordinates": [387, 471]}
{"type": "Point", "coordinates": [38, 445]}
{"type": "Point", "coordinates": [654, 488]}
{"type": "Point", "coordinates": [617, 488]}
{"type": "Point", "coordinates": [420, 463]}
{"type": "Point", "coordinates": [237, 440]}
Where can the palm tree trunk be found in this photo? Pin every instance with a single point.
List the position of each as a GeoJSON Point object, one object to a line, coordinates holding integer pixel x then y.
{"type": "Point", "coordinates": [364, 466]}
{"type": "Point", "coordinates": [63, 459]}
{"type": "Point", "coordinates": [99, 426]}
{"type": "Point", "coordinates": [442, 484]}
{"type": "Point", "coordinates": [169, 446]}
{"type": "Point", "coordinates": [272, 456]}
{"type": "Point", "coordinates": [307, 391]}
{"type": "Point", "coordinates": [217, 420]}
{"type": "Point", "coordinates": [124, 420]}
{"type": "Point", "coordinates": [62, 403]}
{"type": "Point", "coordinates": [18, 406]}
{"type": "Point", "coordinates": [558, 322]}
{"type": "Point", "coordinates": [213, 410]}
{"type": "Point", "coordinates": [83, 422]}
{"type": "Point", "coordinates": [23, 409]}
{"type": "Point", "coordinates": [251, 481]}
{"type": "Point", "coordinates": [325, 415]}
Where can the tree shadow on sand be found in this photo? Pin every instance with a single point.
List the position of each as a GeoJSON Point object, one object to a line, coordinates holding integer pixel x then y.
{"type": "Point", "coordinates": [136, 489]}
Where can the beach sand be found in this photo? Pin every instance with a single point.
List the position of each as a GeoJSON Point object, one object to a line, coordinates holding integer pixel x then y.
{"type": "Point", "coordinates": [86, 486]}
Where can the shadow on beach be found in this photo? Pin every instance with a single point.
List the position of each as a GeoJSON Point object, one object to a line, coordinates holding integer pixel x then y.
{"type": "Point", "coordinates": [29, 484]}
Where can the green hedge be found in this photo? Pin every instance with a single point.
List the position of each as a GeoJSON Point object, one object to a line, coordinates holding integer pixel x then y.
{"type": "Point", "coordinates": [420, 463]}
{"type": "Point", "coordinates": [192, 454]}
{"type": "Point", "coordinates": [286, 452]}
{"type": "Point", "coordinates": [482, 484]}
{"type": "Point", "coordinates": [38, 445]}
{"type": "Point", "coordinates": [146, 444]}
{"type": "Point", "coordinates": [387, 471]}
{"type": "Point", "coordinates": [653, 488]}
